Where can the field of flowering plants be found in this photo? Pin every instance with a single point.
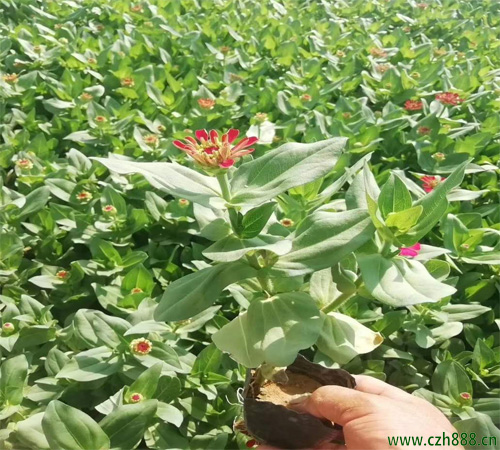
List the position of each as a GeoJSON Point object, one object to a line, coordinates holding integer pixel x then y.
{"type": "Point", "coordinates": [191, 188]}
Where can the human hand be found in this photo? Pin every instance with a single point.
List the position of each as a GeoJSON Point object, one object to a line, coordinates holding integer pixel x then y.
{"type": "Point", "coordinates": [375, 411]}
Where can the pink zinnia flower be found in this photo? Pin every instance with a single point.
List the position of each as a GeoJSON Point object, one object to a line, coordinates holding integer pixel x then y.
{"type": "Point", "coordinates": [109, 209]}
{"type": "Point", "coordinates": [449, 98]}
{"type": "Point", "coordinates": [206, 103]}
{"type": "Point", "coordinates": [211, 151]}
{"type": "Point", "coordinates": [413, 105]}
{"type": "Point", "coordinates": [431, 182]}
{"type": "Point", "coordinates": [410, 252]}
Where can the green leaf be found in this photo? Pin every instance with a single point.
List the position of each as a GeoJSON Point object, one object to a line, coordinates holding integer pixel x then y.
{"type": "Point", "coordinates": [286, 167]}
{"type": "Point", "coordinates": [451, 379]}
{"type": "Point", "coordinates": [272, 330]}
{"type": "Point", "coordinates": [342, 338]}
{"type": "Point", "coordinates": [126, 425]}
{"type": "Point", "coordinates": [169, 414]}
{"type": "Point", "coordinates": [394, 196]}
{"type": "Point", "coordinates": [138, 277]}
{"type": "Point", "coordinates": [256, 219]}
{"type": "Point", "coordinates": [404, 220]}
{"type": "Point", "coordinates": [175, 179]}
{"type": "Point", "coordinates": [434, 206]}
{"type": "Point", "coordinates": [486, 434]}
{"type": "Point", "coordinates": [195, 292]}
{"type": "Point", "coordinates": [30, 432]}
{"type": "Point", "coordinates": [111, 197]}
{"type": "Point", "coordinates": [323, 239]}
{"type": "Point", "coordinates": [68, 428]}
{"type": "Point", "coordinates": [35, 201]}
{"type": "Point", "coordinates": [208, 360]}
{"type": "Point", "coordinates": [231, 248]}
{"type": "Point", "coordinates": [13, 376]}
{"type": "Point", "coordinates": [147, 382]}
{"type": "Point", "coordinates": [400, 282]}
{"type": "Point", "coordinates": [11, 251]}
{"type": "Point", "coordinates": [55, 361]}
{"type": "Point", "coordinates": [93, 364]}
{"type": "Point", "coordinates": [322, 288]}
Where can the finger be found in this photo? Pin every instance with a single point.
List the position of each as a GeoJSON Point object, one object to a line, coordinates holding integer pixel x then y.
{"type": "Point", "coordinates": [337, 404]}
{"type": "Point", "coordinates": [373, 386]}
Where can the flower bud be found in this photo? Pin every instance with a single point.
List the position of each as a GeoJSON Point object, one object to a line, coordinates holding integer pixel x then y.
{"type": "Point", "coordinates": [287, 222]}
{"type": "Point", "coordinates": [109, 210]}
{"type": "Point", "coordinates": [8, 328]}
{"type": "Point", "coordinates": [439, 156]}
{"type": "Point", "coordinates": [24, 164]}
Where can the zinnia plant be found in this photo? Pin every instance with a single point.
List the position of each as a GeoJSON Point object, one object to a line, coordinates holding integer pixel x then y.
{"type": "Point", "coordinates": [270, 264]}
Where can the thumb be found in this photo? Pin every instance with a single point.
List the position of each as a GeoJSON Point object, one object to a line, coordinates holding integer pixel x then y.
{"type": "Point", "coordinates": [338, 404]}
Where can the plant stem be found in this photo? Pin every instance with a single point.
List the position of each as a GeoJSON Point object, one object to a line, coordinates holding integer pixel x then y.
{"type": "Point", "coordinates": [340, 300]}
{"type": "Point", "coordinates": [224, 186]}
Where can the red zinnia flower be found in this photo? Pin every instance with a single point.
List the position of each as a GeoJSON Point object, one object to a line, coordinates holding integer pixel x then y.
{"type": "Point", "coordinates": [424, 130]}
{"type": "Point", "coordinates": [62, 274]}
{"type": "Point", "coordinates": [141, 346]}
{"type": "Point", "coordinates": [465, 395]}
{"type": "Point", "coordinates": [410, 252]}
{"type": "Point", "coordinates": [136, 398]}
{"type": "Point", "coordinates": [213, 152]}
{"type": "Point", "coordinates": [430, 182]}
{"type": "Point", "coordinates": [127, 82]}
{"type": "Point", "coordinates": [84, 196]}
{"type": "Point", "coordinates": [413, 105]}
{"type": "Point", "coordinates": [449, 98]}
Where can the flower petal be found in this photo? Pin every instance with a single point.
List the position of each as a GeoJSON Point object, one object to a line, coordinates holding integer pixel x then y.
{"type": "Point", "coordinates": [201, 134]}
{"type": "Point", "coordinates": [232, 134]}
{"type": "Point", "coordinates": [214, 136]}
{"type": "Point", "coordinates": [227, 163]}
{"type": "Point", "coordinates": [181, 145]}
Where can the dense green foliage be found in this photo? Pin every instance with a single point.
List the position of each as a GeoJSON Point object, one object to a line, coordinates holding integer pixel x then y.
{"type": "Point", "coordinates": [134, 296]}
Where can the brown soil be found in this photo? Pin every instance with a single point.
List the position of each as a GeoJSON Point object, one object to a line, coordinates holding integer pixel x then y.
{"type": "Point", "coordinates": [282, 394]}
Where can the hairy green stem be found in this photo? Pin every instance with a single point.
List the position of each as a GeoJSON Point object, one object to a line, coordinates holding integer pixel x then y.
{"type": "Point", "coordinates": [224, 186]}
{"type": "Point", "coordinates": [340, 300]}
